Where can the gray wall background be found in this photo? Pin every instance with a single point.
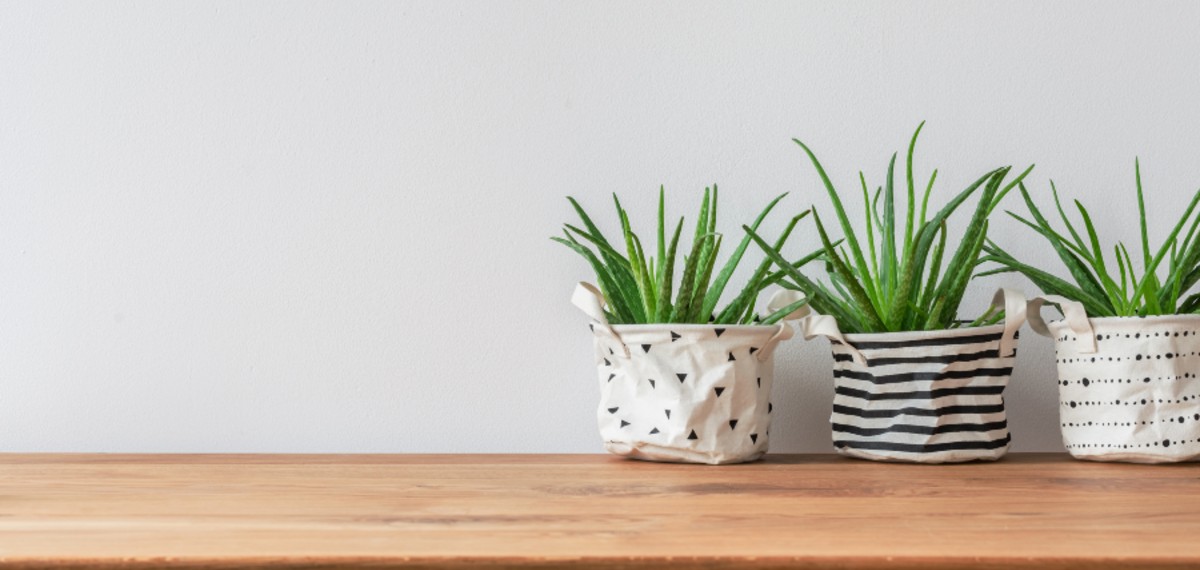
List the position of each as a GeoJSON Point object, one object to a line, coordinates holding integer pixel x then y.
{"type": "Point", "coordinates": [308, 226]}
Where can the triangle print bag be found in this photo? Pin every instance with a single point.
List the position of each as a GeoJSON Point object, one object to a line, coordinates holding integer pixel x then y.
{"type": "Point", "coordinates": [1129, 387]}
{"type": "Point", "coordinates": [685, 392]}
{"type": "Point", "coordinates": [923, 396]}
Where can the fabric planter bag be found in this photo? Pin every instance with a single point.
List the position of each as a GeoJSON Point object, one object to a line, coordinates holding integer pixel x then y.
{"type": "Point", "coordinates": [685, 393]}
{"type": "Point", "coordinates": [923, 396]}
{"type": "Point", "coordinates": [1128, 387]}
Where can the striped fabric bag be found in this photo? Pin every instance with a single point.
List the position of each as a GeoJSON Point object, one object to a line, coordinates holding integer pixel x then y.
{"type": "Point", "coordinates": [923, 396]}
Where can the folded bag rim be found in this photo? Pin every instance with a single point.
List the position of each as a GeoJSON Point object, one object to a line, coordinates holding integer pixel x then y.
{"type": "Point", "coordinates": [656, 327]}
{"type": "Point", "coordinates": [917, 335]}
{"type": "Point", "coordinates": [1130, 320]}
{"type": "Point", "coordinates": [1016, 310]}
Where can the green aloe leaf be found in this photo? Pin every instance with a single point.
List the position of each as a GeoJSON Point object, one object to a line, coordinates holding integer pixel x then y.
{"type": "Point", "coordinates": [781, 313]}
{"type": "Point", "coordinates": [863, 303]}
{"type": "Point", "coordinates": [1102, 292]}
{"type": "Point", "coordinates": [901, 286]}
{"type": "Point", "coordinates": [640, 289]}
{"type": "Point", "coordinates": [718, 287]}
{"type": "Point", "coordinates": [617, 306]}
{"type": "Point", "coordinates": [819, 297]}
{"type": "Point", "coordinates": [666, 277]}
{"type": "Point", "coordinates": [653, 289]}
{"type": "Point", "coordinates": [851, 240]}
{"type": "Point", "coordinates": [744, 302]}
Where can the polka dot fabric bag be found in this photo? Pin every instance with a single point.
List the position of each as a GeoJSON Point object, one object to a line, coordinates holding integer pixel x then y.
{"type": "Point", "coordinates": [1128, 386]}
{"type": "Point", "coordinates": [685, 392]}
{"type": "Point", "coordinates": [923, 396]}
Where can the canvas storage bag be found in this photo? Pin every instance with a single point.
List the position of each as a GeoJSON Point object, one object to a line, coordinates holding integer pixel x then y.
{"type": "Point", "coordinates": [923, 396]}
{"type": "Point", "coordinates": [1128, 386]}
{"type": "Point", "coordinates": [685, 393]}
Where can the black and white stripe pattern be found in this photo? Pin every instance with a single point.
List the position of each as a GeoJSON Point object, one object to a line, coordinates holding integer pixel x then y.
{"type": "Point", "coordinates": [928, 396]}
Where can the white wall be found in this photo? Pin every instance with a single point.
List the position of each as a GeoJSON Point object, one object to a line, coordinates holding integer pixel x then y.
{"type": "Point", "coordinates": [301, 226]}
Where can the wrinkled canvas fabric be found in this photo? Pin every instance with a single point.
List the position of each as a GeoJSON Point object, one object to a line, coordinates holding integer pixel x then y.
{"type": "Point", "coordinates": [685, 393]}
{"type": "Point", "coordinates": [925, 396]}
{"type": "Point", "coordinates": [1129, 387]}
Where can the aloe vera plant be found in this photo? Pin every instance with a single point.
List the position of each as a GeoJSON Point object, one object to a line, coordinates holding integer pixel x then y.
{"type": "Point", "coordinates": [896, 281]}
{"type": "Point", "coordinates": [1103, 290]}
{"type": "Point", "coordinates": [641, 291]}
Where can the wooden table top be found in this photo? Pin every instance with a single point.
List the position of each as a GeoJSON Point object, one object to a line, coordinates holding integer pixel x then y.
{"type": "Point", "coordinates": [591, 511]}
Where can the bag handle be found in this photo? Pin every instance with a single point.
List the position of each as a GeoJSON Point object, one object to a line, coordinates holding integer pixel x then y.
{"type": "Point", "coordinates": [779, 300]}
{"type": "Point", "coordinates": [1075, 316]}
{"type": "Point", "coordinates": [817, 324]}
{"type": "Point", "coordinates": [1015, 309]}
{"type": "Point", "coordinates": [1011, 300]}
{"type": "Point", "coordinates": [590, 300]}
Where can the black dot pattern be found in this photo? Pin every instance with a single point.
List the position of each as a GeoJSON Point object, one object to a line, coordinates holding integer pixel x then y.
{"type": "Point", "coordinates": [717, 408]}
{"type": "Point", "coordinates": [1137, 398]}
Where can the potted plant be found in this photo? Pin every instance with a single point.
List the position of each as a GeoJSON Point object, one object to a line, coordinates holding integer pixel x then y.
{"type": "Point", "coordinates": [912, 382]}
{"type": "Point", "coordinates": [1128, 350]}
{"type": "Point", "coordinates": [681, 379]}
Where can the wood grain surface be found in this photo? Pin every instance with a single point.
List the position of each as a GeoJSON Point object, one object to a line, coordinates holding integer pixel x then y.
{"type": "Point", "coordinates": [490, 511]}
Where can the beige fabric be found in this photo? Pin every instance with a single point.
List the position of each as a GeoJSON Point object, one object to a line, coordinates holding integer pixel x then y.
{"type": "Point", "coordinates": [685, 393]}
{"type": "Point", "coordinates": [1129, 387]}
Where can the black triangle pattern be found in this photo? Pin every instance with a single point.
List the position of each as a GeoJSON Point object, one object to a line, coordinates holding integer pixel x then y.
{"type": "Point", "coordinates": [682, 376]}
{"type": "Point", "coordinates": [591, 327]}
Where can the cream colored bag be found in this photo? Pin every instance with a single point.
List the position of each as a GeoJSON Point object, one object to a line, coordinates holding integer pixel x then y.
{"type": "Point", "coordinates": [1129, 387]}
{"type": "Point", "coordinates": [685, 393]}
{"type": "Point", "coordinates": [923, 396]}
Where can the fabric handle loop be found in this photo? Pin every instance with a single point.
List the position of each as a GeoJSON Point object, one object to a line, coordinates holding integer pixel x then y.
{"type": "Point", "coordinates": [1015, 308]}
{"type": "Point", "coordinates": [590, 300]}
{"type": "Point", "coordinates": [817, 324]}
{"type": "Point", "coordinates": [780, 300]}
{"type": "Point", "coordinates": [1075, 316]}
